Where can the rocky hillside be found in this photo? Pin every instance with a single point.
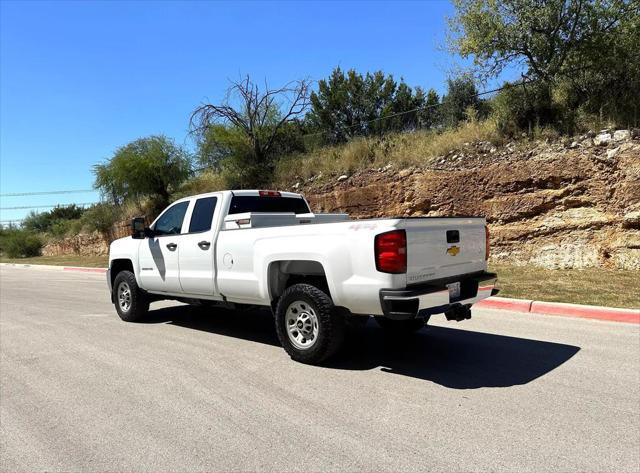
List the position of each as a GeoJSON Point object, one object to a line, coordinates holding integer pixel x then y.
{"type": "Point", "coordinates": [571, 204]}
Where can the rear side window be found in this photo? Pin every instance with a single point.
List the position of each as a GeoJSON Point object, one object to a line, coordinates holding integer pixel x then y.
{"type": "Point", "coordinates": [202, 214]}
{"type": "Point", "coordinates": [170, 222]}
{"type": "Point", "coordinates": [249, 203]}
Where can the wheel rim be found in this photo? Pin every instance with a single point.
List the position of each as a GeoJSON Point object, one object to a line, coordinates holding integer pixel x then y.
{"type": "Point", "coordinates": [124, 296]}
{"type": "Point", "coordinates": [302, 324]}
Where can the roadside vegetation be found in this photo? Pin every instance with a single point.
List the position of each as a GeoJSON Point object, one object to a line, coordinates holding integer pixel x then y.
{"type": "Point", "coordinates": [64, 260]}
{"type": "Point", "coordinates": [593, 286]}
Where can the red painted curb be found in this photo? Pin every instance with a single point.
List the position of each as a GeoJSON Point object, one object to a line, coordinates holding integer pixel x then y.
{"type": "Point", "coordinates": [84, 270]}
{"type": "Point", "coordinates": [610, 314]}
{"type": "Point", "coordinates": [516, 305]}
{"type": "Point", "coordinates": [586, 311]}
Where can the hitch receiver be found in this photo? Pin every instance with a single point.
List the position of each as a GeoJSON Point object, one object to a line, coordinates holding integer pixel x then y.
{"type": "Point", "coordinates": [458, 312]}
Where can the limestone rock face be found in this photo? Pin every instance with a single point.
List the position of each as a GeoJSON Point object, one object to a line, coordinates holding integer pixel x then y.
{"type": "Point", "coordinates": [548, 206]}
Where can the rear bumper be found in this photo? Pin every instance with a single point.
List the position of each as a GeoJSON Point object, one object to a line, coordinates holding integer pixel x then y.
{"type": "Point", "coordinates": [433, 298]}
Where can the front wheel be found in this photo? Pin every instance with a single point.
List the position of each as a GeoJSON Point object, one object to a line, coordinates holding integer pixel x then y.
{"type": "Point", "coordinates": [131, 303]}
{"type": "Point", "coordinates": [309, 327]}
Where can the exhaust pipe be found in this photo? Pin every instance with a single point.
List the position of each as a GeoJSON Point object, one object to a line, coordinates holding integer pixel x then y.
{"type": "Point", "coordinates": [458, 313]}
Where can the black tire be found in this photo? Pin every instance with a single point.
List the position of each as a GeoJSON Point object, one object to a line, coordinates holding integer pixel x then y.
{"type": "Point", "coordinates": [331, 324]}
{"type": "Point", "coordinates": [402, 327]}
{"type": "Point", "coordinates": [138, 306]}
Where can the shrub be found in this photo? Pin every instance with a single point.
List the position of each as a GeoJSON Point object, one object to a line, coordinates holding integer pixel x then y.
{"type": "Point", "coordinates": [63, 228]}
{"type": "Point", "coordinates": [43, 222]}
{"type": "Point", "coordinates": [101, 218]}
{"type": "Point", "coordinates": [21, 244]}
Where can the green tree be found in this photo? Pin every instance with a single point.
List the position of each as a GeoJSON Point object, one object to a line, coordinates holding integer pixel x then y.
{"type": "Point", "coordinates": [351, 104]}
{"type": "Point", "coordinates": [148, 167]}
{"type": "Point", "coordinates": [585, 51]}
{"type": "Point", "coordinates": [247, 132]}
{"type": "Point", "coordinates": [461, 94]}
{"type": "Point", "coordinates": [429, 115]}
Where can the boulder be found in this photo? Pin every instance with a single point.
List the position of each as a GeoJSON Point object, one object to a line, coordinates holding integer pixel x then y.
{"type": "Point", "coordinates": [602, 139]}
{"type": "Point", "coordinates": [622, 135]}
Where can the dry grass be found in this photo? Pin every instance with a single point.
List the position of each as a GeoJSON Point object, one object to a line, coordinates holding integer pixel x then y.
{"type": "Point", "coordinates": [593, 286]}
{"type": "Point", "coordinates": [66, 260]}
{"type": "Point", "coordinates": [402, 149]}
{"type": "Point", "coordinates": [207, 181]}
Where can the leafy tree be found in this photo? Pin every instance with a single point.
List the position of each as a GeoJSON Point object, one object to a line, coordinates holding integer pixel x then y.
{"type": "Point", "coordinates": [461, 94]}
{"type": "Point", "coordinates": [585, 51]}
{"type": "Point", "coordinates": [430, 115]}
{"type": "Point", "coordinates": [250, 129]}
{"type": "Point", "coordinates": [545, 36]}
{"type": "Point", "coordinates": [352, 104]}
{"type": "Point", "coordinates": [148, 167]}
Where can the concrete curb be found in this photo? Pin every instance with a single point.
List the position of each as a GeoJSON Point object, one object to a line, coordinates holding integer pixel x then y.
{"type": "Point", "coordinates": [610, 314]}
{"type": "Point", "coordinates": [84, 270]}
{"type": "Point", "coordinates": [52, 267]}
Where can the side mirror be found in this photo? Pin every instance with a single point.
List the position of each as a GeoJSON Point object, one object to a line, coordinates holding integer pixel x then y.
{"type": "Point", "coordinates": [138, 229]}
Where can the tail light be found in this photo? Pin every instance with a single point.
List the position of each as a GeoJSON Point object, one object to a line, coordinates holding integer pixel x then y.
{"type": "Point", "coordinates": [391, 252]}
{"type": "Point", "coordinates": [486, 242]}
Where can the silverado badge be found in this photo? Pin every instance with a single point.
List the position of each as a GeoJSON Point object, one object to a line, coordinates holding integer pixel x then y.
{"type": "Point", "coordinates": [453, 250]}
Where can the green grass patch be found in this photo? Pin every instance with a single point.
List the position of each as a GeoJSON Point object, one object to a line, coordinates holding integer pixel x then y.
{"type": "Point", "coordinates": [592, 286]}
{"type": "Point", "coordinates": [66, 260]}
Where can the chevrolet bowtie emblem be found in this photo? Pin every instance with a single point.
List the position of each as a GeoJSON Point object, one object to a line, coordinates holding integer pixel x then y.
{"type": "Point", "coordinates": [453, 250]}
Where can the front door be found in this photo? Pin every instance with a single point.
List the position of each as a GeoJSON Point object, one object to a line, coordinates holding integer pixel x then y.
{"type": "Point", "coordinates": [159, 255]}
{"type": "Point", "coordinates": [197, 249]}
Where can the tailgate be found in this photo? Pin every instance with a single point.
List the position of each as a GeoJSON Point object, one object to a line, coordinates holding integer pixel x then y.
{"type": "Point", "coordinates": [443, 247]}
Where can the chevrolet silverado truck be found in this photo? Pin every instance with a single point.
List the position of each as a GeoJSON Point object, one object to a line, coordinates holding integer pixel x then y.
{"type": "Point", "coordinates": [318, 273]}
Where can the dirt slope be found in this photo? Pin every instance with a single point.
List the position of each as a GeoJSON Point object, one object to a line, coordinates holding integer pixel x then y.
{"type": "Point", "coordinates": [561, 205]}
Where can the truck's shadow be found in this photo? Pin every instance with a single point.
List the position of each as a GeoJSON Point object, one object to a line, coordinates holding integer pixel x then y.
{"type": "Point", "coordinates": [451, 357]}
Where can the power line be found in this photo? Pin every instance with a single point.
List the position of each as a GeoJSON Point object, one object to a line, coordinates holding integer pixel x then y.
{"type": "Point", "coordinates": [20, 194]}
{"type": "Point", "coordinates": [46, 206]}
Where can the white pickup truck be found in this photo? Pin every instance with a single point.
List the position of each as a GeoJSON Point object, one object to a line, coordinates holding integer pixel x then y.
{"type": "Point", "coordinates": [317, 272]}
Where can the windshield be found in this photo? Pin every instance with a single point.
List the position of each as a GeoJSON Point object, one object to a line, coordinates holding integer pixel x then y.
{"type": "Point", "coordinates": [251, 203]}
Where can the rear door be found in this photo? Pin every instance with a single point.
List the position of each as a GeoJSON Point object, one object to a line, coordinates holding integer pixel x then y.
{"type": "Point", "coordinates": [197, 247]}
{"type": "Point", "coordinates": [443, 247]}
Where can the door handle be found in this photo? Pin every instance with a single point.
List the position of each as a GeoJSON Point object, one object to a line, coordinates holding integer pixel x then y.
{"type": "Point", "coordinates": [204, 244]}
{"type": "Point", "coordinates": [172, 246]}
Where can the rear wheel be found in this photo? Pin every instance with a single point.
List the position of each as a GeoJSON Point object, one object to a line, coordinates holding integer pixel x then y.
{"type": "Point", "coordinates": [402, 327]}
{"type": "Point", "coordinates": [131, 303]}
{"type": "Point", "coordinates": [309, 326]}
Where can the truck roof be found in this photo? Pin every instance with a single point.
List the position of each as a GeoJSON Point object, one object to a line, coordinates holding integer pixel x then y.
{"type": "Point", "coordinates": [252, 192]}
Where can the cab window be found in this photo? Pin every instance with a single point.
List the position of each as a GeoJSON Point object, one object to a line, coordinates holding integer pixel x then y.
{"type": "Point", "coordinates": [170, 222]}
{"type": "Point", "coordinates": [202, 214]}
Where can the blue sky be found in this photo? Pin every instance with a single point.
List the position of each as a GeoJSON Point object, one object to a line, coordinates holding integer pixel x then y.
{"type": "Point", "coordinates": [79, 79]}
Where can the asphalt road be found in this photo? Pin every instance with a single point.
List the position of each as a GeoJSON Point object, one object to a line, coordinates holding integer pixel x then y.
{"type": "Point", "coordinates": [203, 391]}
